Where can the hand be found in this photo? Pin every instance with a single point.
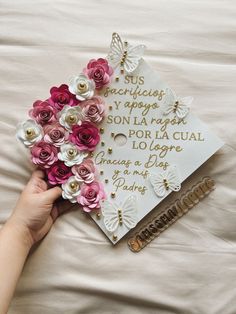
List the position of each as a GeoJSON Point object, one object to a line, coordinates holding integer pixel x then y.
{"type": "Point", "coordinates": [35, 210]}
{"type": "Point", "coordinates": [31, 220]}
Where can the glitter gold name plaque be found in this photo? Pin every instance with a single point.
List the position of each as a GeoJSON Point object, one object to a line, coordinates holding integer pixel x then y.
{"type": "Point", "coordinates": [170, 214]}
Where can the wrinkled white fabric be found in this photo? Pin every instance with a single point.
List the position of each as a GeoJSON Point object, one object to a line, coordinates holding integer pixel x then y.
{"type": "Point", "coordinates": [191, 268]}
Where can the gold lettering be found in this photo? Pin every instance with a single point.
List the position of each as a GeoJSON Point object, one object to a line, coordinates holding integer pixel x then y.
{"type": "Point", "coordinates": [145, 107]}
{"type": "Point", "coordinates": [118, 119]}
{"type": "Point", "coordinates": [166, 122]}
{"type": "Point", "coordinates": [153, 162]}
{"type": "Point", "coordinates": [120, 183]}
{"type": "Point", "coordinates": [164, 149]}
{"type": "Point", "coordinates": [186, 136]}
{"type": "Point", "coordinates": [101, 160]}
{"type": "Point", "coordinates": [161, 136]}
{"type": "Point", "coordinates": [140, 133]}
{"type": "Point", "coordinates": [134, 92]}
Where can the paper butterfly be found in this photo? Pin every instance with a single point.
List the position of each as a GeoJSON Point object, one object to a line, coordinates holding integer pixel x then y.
{"type": "Point", "coordinates": [177, 105]}
{"type": "Point", "coordinates": [115, 215]}
{"type": "Point", "coordinates": [121, 53]}
{"type": "Point", "coordinates": [165, 181]}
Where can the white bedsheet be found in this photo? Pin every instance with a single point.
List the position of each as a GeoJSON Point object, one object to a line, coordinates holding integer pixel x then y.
{"type": "Point", "coordinates": [191, 268]}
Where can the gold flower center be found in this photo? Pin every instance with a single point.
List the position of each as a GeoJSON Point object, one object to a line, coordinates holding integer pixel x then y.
{"type": "Point", "coordinates": [82, 87]}
{"type": "Point", "coordinates": [71, 119]}
{"type": "Point", "coordinates": [71, 152]}
{"type": "Point", "coordinates": [74, 186]}
{"type": "Point", "coordinates": [30, 133]}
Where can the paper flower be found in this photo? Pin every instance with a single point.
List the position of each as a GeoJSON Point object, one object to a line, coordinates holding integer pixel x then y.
{"type": "Point", "coordinates": [43, 112]}
{"type": "Point", "coordinates": [82, 87]}
{"type": "Point", "coordinates": [70, 116]}
{"type": "Point", "coordinates": [85, 171]}
{"type": "Point", "coordinates": [99, 71]}
{"type": "Point", "coordinates": [90, 196]}
{"type": "Point", "coordinates": [29, 132]}
{"type": "Point", "coordinates": [44, 154]}
{"type": "Point", "coordinates": [71, 189]}
{"type": "Point", "coordinates": [58, 173]}
{"type": "Point", "coordinates": [70, 154]}
{"type": "Point", "coordinates": [55, 134]}
{"type": "Point", "coordinates": [93, 109]}
{"type": "Point", "coordinates": [61, 96]}
{"type": "Point", "coordinates": [85, 136]}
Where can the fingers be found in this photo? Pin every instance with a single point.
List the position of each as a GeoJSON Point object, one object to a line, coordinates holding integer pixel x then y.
{"type": "Point", "coordinates": [51, 195]}
{"type": "Point", "coordinates": [36, 183]}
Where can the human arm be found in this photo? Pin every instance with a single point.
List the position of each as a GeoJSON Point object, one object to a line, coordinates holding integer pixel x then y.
{"type": "Point", "coordinates": [30, 221]}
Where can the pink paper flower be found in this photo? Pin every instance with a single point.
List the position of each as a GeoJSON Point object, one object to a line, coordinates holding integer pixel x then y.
{"type": "Point", "coordinates": [91, 195]}
{"type": "Point", "coordinates": [61, 96]}
{"type": "Point", "coordinates": [43, 112]}
{"type": "Point", "coordinates": [55, 134]}
{"type": "Point", "coordinates": [85, 136]}
{"type": "Point", "coordinates": [93, 109]}
{"type": "Point", "coordinates": [85, 171]}
{"type": "Point", "coordinates": [58, 173]}
{"type": "Point", "coordinates": [43, 154]}
{"type": "Point", "coordinates": [100, 71]}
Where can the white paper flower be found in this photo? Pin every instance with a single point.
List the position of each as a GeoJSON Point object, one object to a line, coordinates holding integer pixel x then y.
{"type": "Point", "coordinates": [71, 189]}
{"type": "Point", "coordinates": [82, 87]}
{"type": "Point", "coordinates": [29, 132]}
{"type": "Point", "coordinates": [70, 116]}
{"type": "Point", "coordinates": [71, 155]}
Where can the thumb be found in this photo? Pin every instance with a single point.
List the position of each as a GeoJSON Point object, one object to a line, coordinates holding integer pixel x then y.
{"type": "Point", "coordinates": [52, 194]}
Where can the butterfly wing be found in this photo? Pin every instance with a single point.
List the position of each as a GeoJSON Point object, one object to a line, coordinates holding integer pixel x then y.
{"type": "Point", "coordinates": [183, 107]}
{"type": "Point", "coordinates": [116, 50]}
{"type": "Point", "coordinates": [158, 184]}
{"type": "Point", "coordinates": [169, 102]}
{"type": "Point", "coordinates": [173, 179]}
{"type": "Point", "coordinates": [129, 212]}
{"type": "Point", "coordinates": [187, 100]}
{"type": "Point", "coordinates": [134, 54]}
{"type": "Point", "coordinates": [109, 212]}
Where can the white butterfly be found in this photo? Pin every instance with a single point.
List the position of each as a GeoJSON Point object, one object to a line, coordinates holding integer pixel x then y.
{"type": "Point", "coordinates": [165, 181]}
{"type": "Point", "coordinates": [115, 215]}
{"type": "Point", "coordinates": [121, 53]}
{"type": "Point", "coordinates": [177, 105]}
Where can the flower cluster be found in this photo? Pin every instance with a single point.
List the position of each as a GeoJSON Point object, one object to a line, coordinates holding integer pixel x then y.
{"type": "Point", "coordinates": [63, 130]}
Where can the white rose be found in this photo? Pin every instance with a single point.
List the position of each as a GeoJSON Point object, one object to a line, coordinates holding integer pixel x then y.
{"type": "Point", "coordinates": [70, 116]}
{"type": "Point", "coordinates": [82, 87]}
{"type": "Point", "coordinates": [29, 132]}
{"type": "Point", "coordinates": [71, 155]}
{"type": "Point", "coordinates": [71, 189]}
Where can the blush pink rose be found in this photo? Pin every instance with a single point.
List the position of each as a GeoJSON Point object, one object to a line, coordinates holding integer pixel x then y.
{"type": "Point", "coordinates": [91, 195]}
{"type": "Point", "coordinates": [99, 71]}
{"type": "Point", "coordinates": [85, 171]}
{"type": "Point", "coordinates": [43, 112]}
{"type": "Point", "coordinates": [44, 154]}
{"type": "Point", "coordinates": [55, 134]}
{"type": "Point", "coordinates": [85, 136]}
{"type": "Point", "coordinates": [93, 109]}
{"type": "Point", "coordinates": [58, 173]}
{"type": "Point", "coordinates": [61, 96]}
